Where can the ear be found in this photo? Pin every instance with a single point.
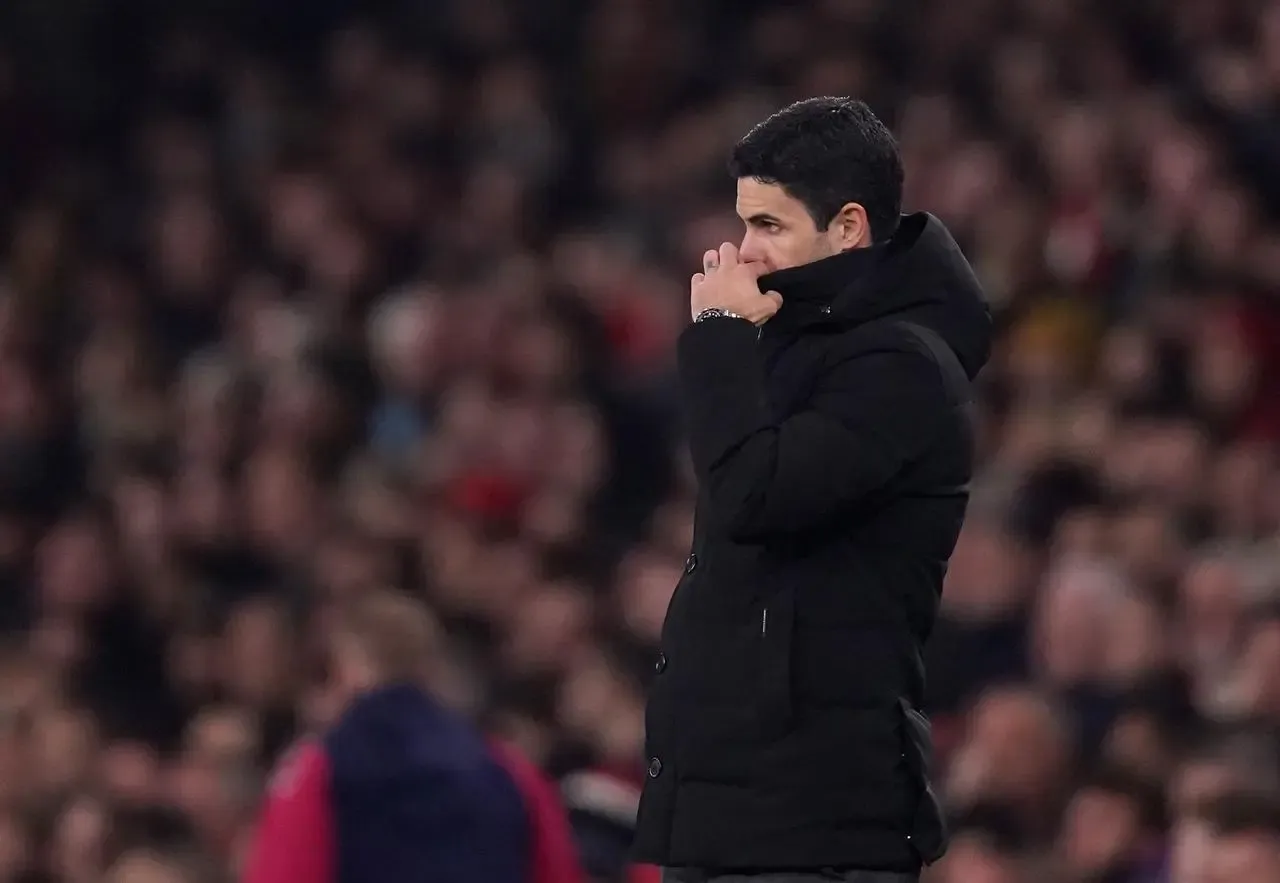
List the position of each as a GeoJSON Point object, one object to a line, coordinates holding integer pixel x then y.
{"type": "Point", "coordinates": [850, 228]}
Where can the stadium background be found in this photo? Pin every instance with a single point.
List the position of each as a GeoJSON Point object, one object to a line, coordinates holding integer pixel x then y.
{"type": "Point", "coordinates": [300, 298]}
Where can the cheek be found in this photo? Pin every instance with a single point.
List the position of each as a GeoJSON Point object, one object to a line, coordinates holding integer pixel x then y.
{"type": "Point", "coordinates": [782, 251]}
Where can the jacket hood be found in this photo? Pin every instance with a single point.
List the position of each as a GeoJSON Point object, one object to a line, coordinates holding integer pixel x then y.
{"type": "Point", "coordinates": [919, 275]}
{"type": "Point", "coordinates": [414, 786]}
{"type": "Point", "coordinates": [400, 730]}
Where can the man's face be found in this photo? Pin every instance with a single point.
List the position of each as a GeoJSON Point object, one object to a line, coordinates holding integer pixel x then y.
{"type": "Point", "coordinates": [782, 234]}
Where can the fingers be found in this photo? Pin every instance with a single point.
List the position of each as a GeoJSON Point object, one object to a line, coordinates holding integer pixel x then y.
{"type": "Point", "coordinates": [764, 309]}
{"type": "Point", "coordinates": [773, 304]}
{"type": "Point", "coordinates": [728, 254]}
{"type": "Point", "coordinates": [698, 279]}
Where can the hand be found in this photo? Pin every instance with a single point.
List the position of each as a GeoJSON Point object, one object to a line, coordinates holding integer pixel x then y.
{"type": "Point", "coordinates": [727, 283]}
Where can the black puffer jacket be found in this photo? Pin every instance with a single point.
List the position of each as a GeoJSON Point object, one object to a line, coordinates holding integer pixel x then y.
{"type": "Point", "coordinates": [833, 454]}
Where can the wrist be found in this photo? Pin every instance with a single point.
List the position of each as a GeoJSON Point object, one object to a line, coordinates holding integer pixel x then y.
{"type": "Point", "coordinates": [717, 313]}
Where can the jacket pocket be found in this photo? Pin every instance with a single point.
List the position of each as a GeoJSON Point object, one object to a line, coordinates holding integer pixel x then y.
{"type": "Point", "coordinates": [776, 630]}
{"type": "Point", "coordinates": [928, 826]}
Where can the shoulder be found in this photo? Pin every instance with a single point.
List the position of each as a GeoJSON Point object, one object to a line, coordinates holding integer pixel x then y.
{"type": "Point", "coordinates": [299, 768]}
{"type": "Point", "coordinates": [882, 355]}
{"type": "Point", "coordinates": [536, 790]}
{"type": "Point", "coordinates": [885, 377]}
{"type": "Point", "coordinates": [879, 337]}
{"type": "Point", "coordinates": [902, 351]}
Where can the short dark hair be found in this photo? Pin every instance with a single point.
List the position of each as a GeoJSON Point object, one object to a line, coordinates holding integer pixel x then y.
{"type": "Point", "coordinates": [1242, 812]}
{"type": "Point", "coordinates": [827, 152]}
{"type": "Point", "coordinates": [1146, 796]}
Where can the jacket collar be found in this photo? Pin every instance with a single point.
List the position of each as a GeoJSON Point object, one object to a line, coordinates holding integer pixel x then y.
{"type": "Point", "coordinates": [822, 281]}
{"type": "Point", "coordinates": [812, 293]}
{"type": "Point", "coordinates": [918, 274]}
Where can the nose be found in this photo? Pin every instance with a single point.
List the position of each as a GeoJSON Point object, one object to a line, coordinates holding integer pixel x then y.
{"type": "Point", "coordinates": [750, 249]}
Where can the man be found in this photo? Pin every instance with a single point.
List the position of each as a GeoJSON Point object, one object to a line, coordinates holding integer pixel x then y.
{"type": "Point", "coordinates": [827, 419]}
{"type": "Point", "coordinates": [401, 788]}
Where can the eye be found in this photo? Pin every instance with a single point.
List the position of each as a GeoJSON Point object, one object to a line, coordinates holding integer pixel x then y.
{"type": "Point", "coordinates": [764, 224]}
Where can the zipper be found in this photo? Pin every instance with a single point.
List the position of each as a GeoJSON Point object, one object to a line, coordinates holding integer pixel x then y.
{"type": "Point", "coordinates": [764, 621]}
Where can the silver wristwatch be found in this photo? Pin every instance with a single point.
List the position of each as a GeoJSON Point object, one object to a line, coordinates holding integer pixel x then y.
{"type": "Point", "coordinates": [716, 313]}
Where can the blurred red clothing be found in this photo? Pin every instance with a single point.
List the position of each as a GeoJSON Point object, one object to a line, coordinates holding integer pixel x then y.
{"type": "Point", "coordinates": [295, 840]}
{"type": "Point", "coordinates": [554, 858]}
{"type": "Point", "coordinates": [487, 495]}
{"type": "Point", "coordinates": [645, 874]}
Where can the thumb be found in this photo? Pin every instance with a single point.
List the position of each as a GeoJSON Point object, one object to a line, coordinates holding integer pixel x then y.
{"type": "Point", "coordinates": [775, 298]}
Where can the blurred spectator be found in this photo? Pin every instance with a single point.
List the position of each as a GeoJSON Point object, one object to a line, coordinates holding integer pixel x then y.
{"type": "Point", "coordinates": [1112, 829]}
{"type": "Point", "coordinates": [398, 783]}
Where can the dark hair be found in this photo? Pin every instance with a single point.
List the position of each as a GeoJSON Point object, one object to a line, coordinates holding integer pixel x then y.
{"type": "Point", "coordinates": [827, 152]}
{"type": "Point", "coordinates": [1146, 796]}
{"type": "Point", "coordinates": [995, 824]}
{"type": "Point", "coordinates": [1242, 812]}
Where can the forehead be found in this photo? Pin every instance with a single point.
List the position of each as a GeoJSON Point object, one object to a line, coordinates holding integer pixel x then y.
{"type": "Point", "coordinates": [758, 198]}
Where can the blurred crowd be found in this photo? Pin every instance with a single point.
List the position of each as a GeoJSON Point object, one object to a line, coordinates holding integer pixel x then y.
{"type": "Point", "coordinates": [302, 299]}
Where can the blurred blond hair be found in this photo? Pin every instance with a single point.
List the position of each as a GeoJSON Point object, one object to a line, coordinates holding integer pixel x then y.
{"type": "Point", "coordinates": [397, 635]}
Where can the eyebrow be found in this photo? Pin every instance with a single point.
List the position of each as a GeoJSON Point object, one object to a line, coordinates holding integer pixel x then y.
{"type": "Point", "coordinates": [762, 218]}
